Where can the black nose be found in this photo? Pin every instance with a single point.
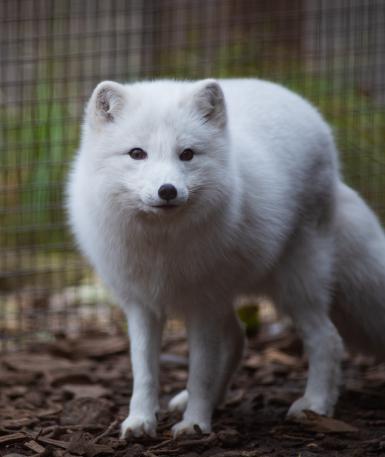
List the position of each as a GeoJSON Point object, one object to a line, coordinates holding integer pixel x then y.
{"type": "Point", "coordinates": [167, 192]}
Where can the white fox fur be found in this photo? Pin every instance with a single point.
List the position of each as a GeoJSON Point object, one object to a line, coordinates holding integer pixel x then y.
{"type": "Point", "coordinates": [260, 208]}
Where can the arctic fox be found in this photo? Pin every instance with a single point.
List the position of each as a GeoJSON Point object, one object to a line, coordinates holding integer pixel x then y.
{"type": "Point", "coordinates": [184, 195]}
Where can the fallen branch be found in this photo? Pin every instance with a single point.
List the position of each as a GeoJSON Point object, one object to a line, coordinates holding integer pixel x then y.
{"type": "Point", "coordinates": [106, 432]}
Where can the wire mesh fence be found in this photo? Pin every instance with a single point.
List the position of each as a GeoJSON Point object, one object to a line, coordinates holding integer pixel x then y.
{"type": "Point", "coordinates": [53, 52]}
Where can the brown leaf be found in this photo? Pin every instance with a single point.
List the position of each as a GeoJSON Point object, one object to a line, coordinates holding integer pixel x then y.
{"type": "Point", "coordinates": [35, 363]}
{"type": "Point", "coordinates": [179, 375]}
{"type": "Point", "coordinates": [81, 390]}
{"type": "Point", "coordinates": [253, 362]}
{"type": "Point", "coordinates": [277, 356]}
{"type": "Point", "coordinates": [324, 424]}
{"type": "Point", "coordinates": [72, 375]}
{"type": "Point", "coordinates": [96, 347]}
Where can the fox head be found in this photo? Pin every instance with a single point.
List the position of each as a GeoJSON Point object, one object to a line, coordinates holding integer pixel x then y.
{"type": "Point", "coordinates": [157, 148]}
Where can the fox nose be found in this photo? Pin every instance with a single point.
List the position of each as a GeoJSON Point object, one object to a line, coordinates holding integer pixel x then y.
{"type": "Point", "coordinates": [167, 192]}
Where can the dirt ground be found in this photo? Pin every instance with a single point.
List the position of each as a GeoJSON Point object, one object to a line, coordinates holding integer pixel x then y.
{"type": "Point", "coordinates": [68, 398]}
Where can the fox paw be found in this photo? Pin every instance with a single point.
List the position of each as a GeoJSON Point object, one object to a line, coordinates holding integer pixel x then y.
{"type": "Point", "coordinates": [137, 426]}
{"type": "Point", "coordinates": [178, 403]}
{"type": "Point", "coordinates": [298, 408]}
{"type": "Point", "coordinates": [190, 427]}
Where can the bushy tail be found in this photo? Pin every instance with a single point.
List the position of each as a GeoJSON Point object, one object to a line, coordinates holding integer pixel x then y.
{"type": "Point", "coordinates": [358, 310]}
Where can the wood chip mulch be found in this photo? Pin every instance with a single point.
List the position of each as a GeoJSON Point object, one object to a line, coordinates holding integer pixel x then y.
{"type": "Point", "coordinates": [68, 398]}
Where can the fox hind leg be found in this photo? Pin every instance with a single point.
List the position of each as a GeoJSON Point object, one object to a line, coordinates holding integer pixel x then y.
{"type": "Point", "coordinates": [304, 283]}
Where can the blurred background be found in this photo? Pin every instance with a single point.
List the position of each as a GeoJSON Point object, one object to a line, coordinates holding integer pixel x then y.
{"type": "Point", "coordinates": [53, 53]}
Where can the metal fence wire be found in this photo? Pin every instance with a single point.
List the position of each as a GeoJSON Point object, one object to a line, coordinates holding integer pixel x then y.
{"type": "Point", "coordinates": [53, 53]}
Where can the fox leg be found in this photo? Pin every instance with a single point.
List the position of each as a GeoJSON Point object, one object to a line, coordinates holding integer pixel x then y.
{"type": "Point", "coordinates": [304, 284]}
{"type": "Point", "coordinates": [145, 329]}
{"type": "Point", "coordinates": [216, 346]}
{"type": "Point", "coordinates": [324, 348]}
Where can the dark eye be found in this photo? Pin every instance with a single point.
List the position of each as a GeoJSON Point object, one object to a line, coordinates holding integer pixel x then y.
{"type": "Point", "coordinates": [137, 154]}
{"type": "Point", "coordinates": [186, 155]}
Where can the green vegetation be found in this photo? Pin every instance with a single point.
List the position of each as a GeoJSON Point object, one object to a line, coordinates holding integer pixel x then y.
{"type": "Point", "coordinates": [249, 315]}
{"type": "Point", "coordinates": [38, 140]}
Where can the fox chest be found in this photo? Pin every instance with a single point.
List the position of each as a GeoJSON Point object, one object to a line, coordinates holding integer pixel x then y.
{"type": "Point", "coordinates": [173, 276]}
{"type": "Point", "coordinates": [170, 270]}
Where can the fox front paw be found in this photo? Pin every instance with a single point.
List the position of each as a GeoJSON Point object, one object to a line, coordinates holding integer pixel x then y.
{"type": "Point", "coordinates": [137, 426]}
{"type": "Point", "coordinates": [296, 410]}
{"type": "Point", "coordinates": [178, 403]}
{"type": "Point", "coordinates": [190, 427]}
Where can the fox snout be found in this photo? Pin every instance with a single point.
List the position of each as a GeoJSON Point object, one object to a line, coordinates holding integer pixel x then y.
{"type": "Point", "coordinates": [167, 192]}
{"type": "Point", "coordinates": [169, 196]}
{"type": "Point", "coordinates": [166, 195]}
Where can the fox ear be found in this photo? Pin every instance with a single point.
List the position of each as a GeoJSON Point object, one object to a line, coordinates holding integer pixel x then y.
{"type": "Point", "coordinates": [210, 101]}
{"type": "Point", "coordinates": [106, 102]}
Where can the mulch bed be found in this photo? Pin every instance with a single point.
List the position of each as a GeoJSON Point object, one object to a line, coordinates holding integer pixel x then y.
{"type": "Point", "coordinates": [68, 398]}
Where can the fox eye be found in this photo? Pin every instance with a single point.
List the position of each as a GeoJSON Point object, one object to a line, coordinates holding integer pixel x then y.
{"type": "Point", "coordinates": [187, 155]}
{"type": "Point", "coordinates": [137, 154]}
